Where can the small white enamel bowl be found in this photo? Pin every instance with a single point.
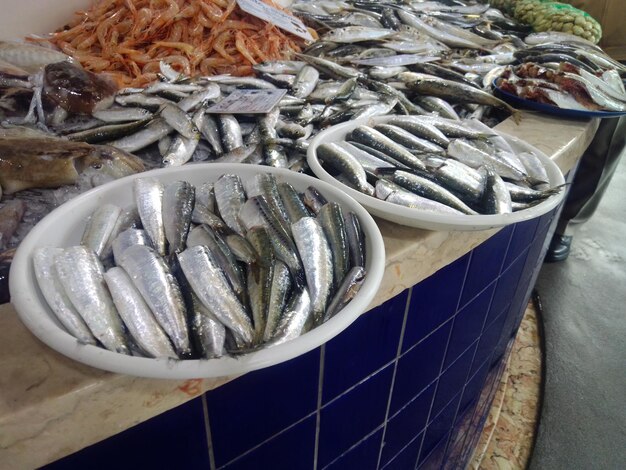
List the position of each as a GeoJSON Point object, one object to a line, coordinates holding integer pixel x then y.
{"type": "Point", "coordinates": [426, 219]}
{"type": "Point", "coordinates": [63, 227]}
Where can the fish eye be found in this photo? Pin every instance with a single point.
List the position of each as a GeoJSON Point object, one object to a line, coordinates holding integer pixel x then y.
{"type": "Point", "coordinates": [96, 166]}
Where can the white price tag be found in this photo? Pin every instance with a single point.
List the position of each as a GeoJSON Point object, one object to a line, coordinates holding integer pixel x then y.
{"type": "Point", "coordinates": [275, 16]}
{"type": "Point", "coordinates": [248, 102]}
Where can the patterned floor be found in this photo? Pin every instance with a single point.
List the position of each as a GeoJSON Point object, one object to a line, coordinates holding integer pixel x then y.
{"type": "Point", "coordinates": [507, 439]}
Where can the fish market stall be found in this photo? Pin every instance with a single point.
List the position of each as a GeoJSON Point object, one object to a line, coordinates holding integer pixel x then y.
{"type": "Point", "coordinates": [405, 378]}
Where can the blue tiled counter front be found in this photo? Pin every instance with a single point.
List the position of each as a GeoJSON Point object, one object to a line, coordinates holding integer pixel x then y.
{"type": "Point", "coordinates": [408, 385]}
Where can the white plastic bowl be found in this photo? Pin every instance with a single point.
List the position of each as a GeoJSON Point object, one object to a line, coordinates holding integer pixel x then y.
{"type": "Point", "coordinates": [64, 226]}
{"type": "Point", "coordinates": [426, 219]}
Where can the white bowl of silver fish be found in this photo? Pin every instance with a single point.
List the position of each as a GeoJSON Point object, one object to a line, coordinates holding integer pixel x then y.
{"type": "Point", "coordinates": [198, 271]}
{"type": "Point", "coordinates": [437, 174]}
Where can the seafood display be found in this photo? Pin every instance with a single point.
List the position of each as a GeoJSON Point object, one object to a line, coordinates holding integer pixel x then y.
{"type": "Point", "coordinates": [226, 267]}
{"type": "Point", "coordinates": [436, 165]}
{"type": "Point", "coordinates": [127, 40]}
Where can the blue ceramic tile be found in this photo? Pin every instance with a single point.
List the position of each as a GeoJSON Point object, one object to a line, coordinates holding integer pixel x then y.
{"type": "Point", "coordinates": [366, 346]}
{"type": "Point", "coordinates": [406, 424]}
{"type": "Point", "coordinates": [434, 460]}
{"type": "Point", "coordinates": [407, 458]}
{"type": "Point", "coordinates": [485, 264]}
{"type": "Point", "coordinates": [364, 456]}
{"type": "Point", "coordinates": [462, 432]}
{"type": "Point", "coordinates": [453, 379]}
{"type": "Point", "coordinates": [434, 301]}
{"type": "Point", "coordinates": [489, 338]}
{"type": "Point", "coordinates": [439, 428]}
{"type": "Point", "coordinates": [478, 374]}
{"type": "Point", "coordinates": [419, 367]}
{"type": "Point", "coordinates": [535, 251]}
{"type": "Point", "coordinates": [545, 219]}
{"type": "Point", "coordinates": [522, 237]}
{"type": "Point", "coordinates": [263, 403]}
{"type": "Point", "coordinates": [352, 416]}
{"type": "Point", "coordinates": [506, 288]}
{"type": "Point", "coordinates": [293, 449]}
{"type": "Point", "coordinates": [157, 443]}
{"type": "Point", "coordinates": [468, 324]}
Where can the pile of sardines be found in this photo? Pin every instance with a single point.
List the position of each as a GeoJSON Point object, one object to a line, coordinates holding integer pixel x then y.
{"type": "Point", "coordinates": [438, 165]}
{"type": "Point", "coordinates": [225, 268]}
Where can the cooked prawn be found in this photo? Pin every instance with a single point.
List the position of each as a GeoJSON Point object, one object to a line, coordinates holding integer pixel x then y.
{"type": "Point", "coordinates": [128, 38]}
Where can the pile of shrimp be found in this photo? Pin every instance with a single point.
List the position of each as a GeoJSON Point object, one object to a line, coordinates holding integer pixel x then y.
{"type": "Point", "coordinates": [128, 39]}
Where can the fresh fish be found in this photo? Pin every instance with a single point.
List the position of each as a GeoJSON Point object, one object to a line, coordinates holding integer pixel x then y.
{"type": "Point", "coordinates": [280, 289]}
{"type": "Point", "coordinates": [179, 120]}
{"type": "Point", "coordinates": [150, 134]}
{"type": "Point", "coordinates": [350, 34]}
{"type": "Point", "coordinates": [330, 68]}
{"type": "Point", "coordinates": [467, 183]}
{"type": "Point", "coordinates": [128, 238]}
{"type": "Point", "coordinates": [346, 291]}
{"type": "Point", "coordinates": [317, 260]}
{"type": "Point", "coordinates": [313, 199]}
{"type": "Point", "coordinates": [474, 157]}
{"type": "Point", "coordinates": [433, 31]}
{"type": "Point", "coordinates": [341, 160]}
{"type": "Point", "coordinates": [108, 132]}
{"type": "Point", "coordinates": [230, 196]}
{"type": "Point", "coordinates": [230, 132]}
{"type": "Point", "coordinates": [205, 195]}
{"type": "Point", "coordinates": [221, 254]}
{"type": "Point", "coordinates": [99, 228]}
{"type": "Point", "coordinates": [136, 315]}
{"type": "Point", "coordinates": [295, 318]}
{"type": "Point", "coordinates": [534, 167]}
{"type": "Point", "coordinates": [293, 203]}
{"type": "Point", "coordinates": [210, 285]}
{"type": "Point", "coordinates": [333, 223]}
{"type": "Point", "coordinates": [54, 293]}
{"type": "Point", "coordinates": [29, 57]}
{"type": "Point", "coordinates": [148, 194]}
{"type": "Point", "coordinates": [118, 115]}
{"type": "Point", "coordinates": [279, 66]}
{"type": "Point", "coordinates": [421, 129]}
{"type": "Point", "coordinates": [305, 82]}
{"type": "Point", "coordinates": [81, 275]}
{"type": "Point", "coordinates": [378, 141]}
{"type": "Point", "coordinates": [523, 194]}
{"type": "Point", "coordinates": [180, 150]}
{"type": "Point", "coordinates": [209, 130]}
{"type": "Point", "coordinates": [202, 215]}
{"type": "Point", "coordinates": [460, 92]}
{"type": "Point", "coordinates": [395, 194]}
{"type": "Point", "coordinates": [430, 190]}
{"type": "Point", "coordinates": [159, 288]}
{"type": "Point", "coordinates": [50, 162]}
{"type": "Point", "coordinates": [242, 249]}
{"type": "Point", "coordinates": [208, 332]}
{"type": "Point", "coordinates": [178, 204]}
{"type": "Point", "coordinates": [497, 197]}
{"type": "Point", "coordinates": [407, 139]}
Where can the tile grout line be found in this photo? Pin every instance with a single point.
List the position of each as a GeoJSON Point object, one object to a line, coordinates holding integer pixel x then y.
{"type": "Point", "coordinates": [443, 359]}
{"type": "Point", "coordinates": [354, 446]}
{"type": "Point", "coordinates": [467, 375]}
{"type": "Point", "coordinates": [282, 431]}
{"type": "Point", "coordinates": [403, 449]}
{"type": "Point", "coordinates": [393, 376]}
{"type": "Point", "coordinates": [318, 414]}
{"type": "Point", "coordinates": [207, 429]}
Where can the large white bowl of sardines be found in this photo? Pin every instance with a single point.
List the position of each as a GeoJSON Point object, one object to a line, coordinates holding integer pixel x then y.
{"type": "Point", "coordinates": [435, 173]}
{"type": "Point", "coordinates": [204, 270]}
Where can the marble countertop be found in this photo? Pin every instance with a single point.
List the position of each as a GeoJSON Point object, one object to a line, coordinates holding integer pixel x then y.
{"type": "Point", "coordinates": [51, 406]}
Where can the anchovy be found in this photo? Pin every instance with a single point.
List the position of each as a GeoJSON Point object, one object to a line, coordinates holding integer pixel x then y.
{"type": "Point", "coordinates": [81, 275]}
{"type": "Point", "coordinates": [148, 194]}
{"type": "Point", "coordinates": [208, 332]}
{"type": "Point", "coordinates": [54, 293]}
{"type": "Point", "coordinates": [295, 318]}
{"type": "Point", "coordinates": [210, 285]}
{"type": "Point", "coordinates": [293, 203]}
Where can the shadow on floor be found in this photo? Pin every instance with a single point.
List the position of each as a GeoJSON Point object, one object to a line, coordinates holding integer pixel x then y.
{"type": "Point", "coordinates": [583, 421]}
